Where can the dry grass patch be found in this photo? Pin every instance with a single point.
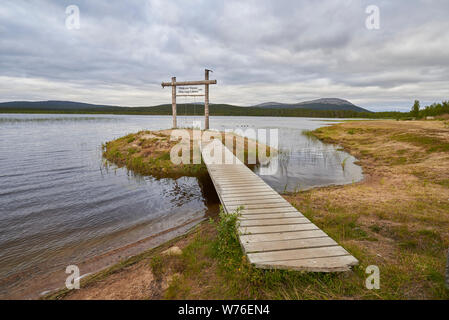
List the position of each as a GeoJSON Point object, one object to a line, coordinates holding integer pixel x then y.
{"type": "Point", "coordinates": [398, 217]}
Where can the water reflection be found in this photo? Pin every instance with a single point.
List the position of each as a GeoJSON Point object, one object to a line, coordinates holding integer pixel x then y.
{"type": "Point", "coordinates": [310, 164]}
{"type": "Point", "coordinates": [302, 161]}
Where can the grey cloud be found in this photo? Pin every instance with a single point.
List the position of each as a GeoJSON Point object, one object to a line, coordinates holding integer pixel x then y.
{"type": "Point", "coordinates": [259, 50]}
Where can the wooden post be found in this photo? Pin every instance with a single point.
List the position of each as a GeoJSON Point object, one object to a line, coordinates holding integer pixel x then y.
{"type": "Point", "coordinates": [173, 101]}
{"type": "Point", "coordinates": [206, 84]}
{"type": "Point", "coordinates": [206, 101]}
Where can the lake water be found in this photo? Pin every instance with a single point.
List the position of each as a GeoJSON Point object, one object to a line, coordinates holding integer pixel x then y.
{"type": "Point", "coordinates": [59, 204]}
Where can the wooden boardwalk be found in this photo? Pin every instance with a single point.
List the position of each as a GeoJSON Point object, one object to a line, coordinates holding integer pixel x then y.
{"type": "Point", "coordinates": [273, 233]}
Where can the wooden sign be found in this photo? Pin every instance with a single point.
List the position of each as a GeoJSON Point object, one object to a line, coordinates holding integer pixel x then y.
{"type": "Point", "coordinates": [189, 91]}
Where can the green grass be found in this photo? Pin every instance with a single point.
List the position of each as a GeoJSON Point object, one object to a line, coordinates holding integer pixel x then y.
{"type": "Point", "coordinates": [431, 144]}
{"type": "Point", "coordinates": [243, 281]}
{"type": "Point", "coordinates": [422, 241]}
{"type": "Point", "coordinates": [178, 288]}
{"type": "Point", "coordinates": [309, 134]}
{"type": "Point", "coordinates": [164, 156]}
{"type": "Point", "coordinates": [157, 165]}
{"type": "Point", "coordinates": [157, 266]}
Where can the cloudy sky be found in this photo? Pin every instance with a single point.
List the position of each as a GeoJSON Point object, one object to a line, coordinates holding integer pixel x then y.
{"type": "Point", "coordinates": [286, 51]}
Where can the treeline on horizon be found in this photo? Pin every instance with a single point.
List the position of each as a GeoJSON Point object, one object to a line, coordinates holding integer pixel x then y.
{"type": "Point", "coordinates": [214, 110]}
{"type": "Point", "coordinates": [230, 110]}
{"type": "Point", "coordinates": [435, 109]}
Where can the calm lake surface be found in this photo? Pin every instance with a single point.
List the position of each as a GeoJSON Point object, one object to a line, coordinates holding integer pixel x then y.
{"type": "Point", "coordinates": [60, 205]}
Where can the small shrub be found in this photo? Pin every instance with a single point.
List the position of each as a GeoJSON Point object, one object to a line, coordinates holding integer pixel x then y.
{"type": "Point", "coordinates": [157, 267]}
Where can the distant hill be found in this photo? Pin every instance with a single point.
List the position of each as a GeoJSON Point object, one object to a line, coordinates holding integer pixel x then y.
{"type": "Point", "coordinates": [318, 104]}
{"type": "Point", "coordinates": [54, 105]}
{"type": "Point", "coordinates": [322, 108]}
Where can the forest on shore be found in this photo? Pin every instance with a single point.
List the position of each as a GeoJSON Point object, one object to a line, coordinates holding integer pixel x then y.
{"type": "Point", "coordinates": [434, 109]}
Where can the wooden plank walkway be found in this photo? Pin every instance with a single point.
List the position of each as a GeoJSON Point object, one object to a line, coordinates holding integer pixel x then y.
{"type": "Point", "coordinates": [272, 232]}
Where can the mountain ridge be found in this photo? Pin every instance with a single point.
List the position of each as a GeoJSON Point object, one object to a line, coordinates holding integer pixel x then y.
{"type": "Point", "coordinates": [317, 104]}
{"type": "Point", "coordinates": [329, 104]}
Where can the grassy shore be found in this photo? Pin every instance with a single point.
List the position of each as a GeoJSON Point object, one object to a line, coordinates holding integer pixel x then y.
{"type": "Point", "coordinates": [397, 218]}
{"type": "Point", "coordinates": [148, 152]}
